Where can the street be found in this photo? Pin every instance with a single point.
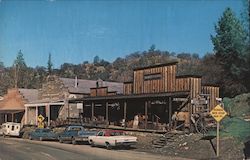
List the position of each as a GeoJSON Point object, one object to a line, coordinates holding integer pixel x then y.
{"type": "Point", "coordinates": [22, 149]}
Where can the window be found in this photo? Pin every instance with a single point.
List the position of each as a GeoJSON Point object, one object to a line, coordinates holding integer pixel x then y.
{"type": "Point", "coordinates": [100, 134]}
{"type": "Point", "coordinates": [116, 134]}
{"type": "Point", "coordinates": [152, 76]}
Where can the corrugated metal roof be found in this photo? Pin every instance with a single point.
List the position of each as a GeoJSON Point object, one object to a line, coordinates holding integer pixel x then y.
{"type": "Point", "coordinates": [85, 85]}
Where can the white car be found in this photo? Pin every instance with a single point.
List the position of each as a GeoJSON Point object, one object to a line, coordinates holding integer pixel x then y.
{"type": "Point", "coordinates": [11, 129]}
{"type": "Point", "coordinates": [111, 138]}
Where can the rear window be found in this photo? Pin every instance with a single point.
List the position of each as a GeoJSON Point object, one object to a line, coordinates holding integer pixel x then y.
{"type": "Point", "coordinates": [116, 134]}
{"type": "Point", "coordinates": [76, 129]}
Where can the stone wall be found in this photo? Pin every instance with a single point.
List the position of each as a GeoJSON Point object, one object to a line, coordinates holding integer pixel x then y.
{"type": "Point", "coordinates": [53, 89]}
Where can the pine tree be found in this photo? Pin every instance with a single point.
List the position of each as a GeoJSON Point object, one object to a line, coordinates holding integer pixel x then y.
{"type": "Point", "coordinates": [50, 64]}
{"type": "Point", "coordinates": [230, 46]}
{"type": "Point", "coordinates": [20, 68]}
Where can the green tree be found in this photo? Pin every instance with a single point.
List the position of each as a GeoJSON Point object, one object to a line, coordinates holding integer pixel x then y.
{"type": "Point", "coordinates": [229, 46]}
{"type": "Point", "coordinates": [96, 59]}
{"type": "Point", "coordinates": [20, 68]}
{"type": "Point", "coordinates": [152, 48]}
{"type": "Point", "coordinates": [50, 64]}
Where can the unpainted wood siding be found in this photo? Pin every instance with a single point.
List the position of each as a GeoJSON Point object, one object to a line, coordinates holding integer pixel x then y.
{"type": "Point", "coordinates": [155, 80]}
{"type": "Point", "coordinates": [102, 91]}
{"type": "Point", "coordinates": [128, 88]}
{"type": "Point", "coordinates": [214, 93]}
{"type": "Point", "coordinates": [192, 84]}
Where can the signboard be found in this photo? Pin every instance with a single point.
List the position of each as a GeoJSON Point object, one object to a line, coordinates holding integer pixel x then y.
{"type": "Point", "coordinates": [40, 118]}
{"type": "Point", "coordinates": [218, 113]}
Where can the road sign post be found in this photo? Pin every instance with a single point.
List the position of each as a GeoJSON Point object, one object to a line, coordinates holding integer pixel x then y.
{"type": "Point", "coordinates": [218, 113]}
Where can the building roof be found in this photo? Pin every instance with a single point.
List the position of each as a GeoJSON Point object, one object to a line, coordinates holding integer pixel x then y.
{"type": "Point", "coordinates": [189, 76]}
{"type": "Point", "coordinates": [157, 65]}
{"type": "Point", "coordinates": [15, 99]}
{"type": "Point", "coordinates": [85, 85]}
{"type": "Point", "coordinates": [29, 94]}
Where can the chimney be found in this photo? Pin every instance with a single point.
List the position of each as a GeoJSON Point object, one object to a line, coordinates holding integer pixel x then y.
{"type": "Point", "coordinates": [76, 82]}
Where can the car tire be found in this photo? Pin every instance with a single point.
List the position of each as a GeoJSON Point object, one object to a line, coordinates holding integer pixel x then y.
{"type": "Point", "coordinates": [92, 143]}
{"type": "Point", "coordinates": [108, 146]}
{"type": "Point", "coordinates": [41, 138]}
{"type": "Point", "coordinates": [60, 140]}
{"type": "Point", "coordinates": [73, 141]}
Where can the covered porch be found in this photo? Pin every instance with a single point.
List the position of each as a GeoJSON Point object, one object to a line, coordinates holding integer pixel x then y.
{"type": "Point", "coordinates": [133, 112]}
{"type": "Point", "coordinates": [48, 109]}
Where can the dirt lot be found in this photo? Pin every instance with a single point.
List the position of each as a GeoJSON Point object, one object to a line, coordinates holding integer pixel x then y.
{"type": "Point", "coordinates": [194, 146]}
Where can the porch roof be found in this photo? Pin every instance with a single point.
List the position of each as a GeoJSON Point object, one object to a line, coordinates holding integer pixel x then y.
{"type": "Point", "coordinates": [134, 96]}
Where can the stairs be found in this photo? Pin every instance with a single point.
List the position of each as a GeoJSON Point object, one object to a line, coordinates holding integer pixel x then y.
{"type": "Point", "coordinates": [165, 139]}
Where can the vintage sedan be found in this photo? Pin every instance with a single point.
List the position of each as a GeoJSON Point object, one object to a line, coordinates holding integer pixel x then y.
{"type": "Point", "coordinates": [112, 138]}
{"type": "Point", "coordinates": [75, 134]}
{"type": "Point", "coordinates": [43, 134]}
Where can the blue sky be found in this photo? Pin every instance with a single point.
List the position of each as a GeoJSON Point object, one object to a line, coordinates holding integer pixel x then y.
{"type": "Point", "coordinates": [76, 31]}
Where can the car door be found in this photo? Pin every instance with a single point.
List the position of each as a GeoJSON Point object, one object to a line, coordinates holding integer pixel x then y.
{"type": "Point", "coordinates": [98, 139]}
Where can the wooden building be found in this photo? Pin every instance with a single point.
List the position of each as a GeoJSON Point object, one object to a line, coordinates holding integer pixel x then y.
{"type": "Point", "coordinates": [154, 95]}
{"type": "Point", "coordinates": [12, 104]}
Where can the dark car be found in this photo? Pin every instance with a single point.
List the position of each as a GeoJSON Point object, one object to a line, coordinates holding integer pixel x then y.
{"type": "Point", "coordinates": [42, 134]}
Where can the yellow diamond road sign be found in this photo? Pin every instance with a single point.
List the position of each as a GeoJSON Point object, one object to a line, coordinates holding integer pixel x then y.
{"type": "Point", "coordinates": [40, 118]}
{"type": "Point", "coordinates": [218, 113]}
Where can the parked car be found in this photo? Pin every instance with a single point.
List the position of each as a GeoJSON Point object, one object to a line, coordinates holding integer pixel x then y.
{"type": "Point", "coordinates": [112, 138]}
{"type": "Point", "coordinates": [75, 134]}
{"type": "Point", "coordinates": [42, 134]}
{"type": "Point", "coordinates": [11, 129]}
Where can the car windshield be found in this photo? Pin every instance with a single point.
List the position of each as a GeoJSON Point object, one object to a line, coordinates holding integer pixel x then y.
{"type": "Point", "coordinates": [76, 129]}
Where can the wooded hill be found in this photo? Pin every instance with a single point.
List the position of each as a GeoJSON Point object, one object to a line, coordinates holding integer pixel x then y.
{"type": "Point", "coordinates": [228, 66]}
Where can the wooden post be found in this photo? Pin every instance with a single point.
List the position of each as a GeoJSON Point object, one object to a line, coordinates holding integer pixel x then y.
{"type": "Point", "coordinates": [5, 117]}
{"type": "Point", "coordinates": [125, 113]}
{"type": "Point", "coordinates": [92, 111]}
{"type": "Point", "coordinates": [26, 115]}
{"type": "Point", "coordinates": [146, 114]}
{"type": "Point", "coordinates": [12, 117]}
{"type": "Point", "coordinates": [36, 114]}
{"type": "Point", "coordinates": [169, 110]}
{"type": "Point", "coordinates": [67, 104]}
{"type": "Point", "coordinates": [218, 140]}
{"type": "Point", "coordinates": [107, 112]}
{"type": "Point", "coordinates": [48, 114]}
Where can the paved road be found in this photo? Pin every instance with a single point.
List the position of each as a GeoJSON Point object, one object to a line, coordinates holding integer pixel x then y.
{"type": "Point", "coordinates": [20, 149]}
{"type": "Point", "coordinates": [11, 149]}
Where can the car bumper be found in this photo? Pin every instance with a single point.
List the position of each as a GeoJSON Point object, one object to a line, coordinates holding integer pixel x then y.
{"type": "Point", "coordinates": [81, 139]}
{"type": "Point", "coordinates": [125, 143]}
